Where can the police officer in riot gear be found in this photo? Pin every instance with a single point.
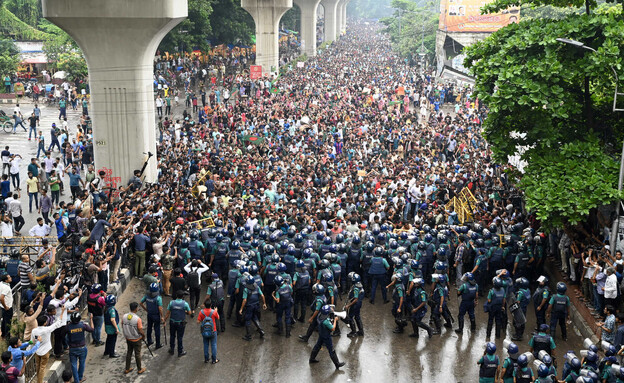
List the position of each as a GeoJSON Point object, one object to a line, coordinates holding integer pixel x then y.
{"type": "Point", "coordinates": [510, 363]}
{"type": "Point", "coordinates": [542, 341]}
{"type": "Point", "coordinates": [152, 304]}
{"type": "Point", "coordinates": [354, 305]}
{"type": "Point", "coordinates": [301, 285]}
{"type": "Point", "coordinates": [523, 297]}
{"type": "Point", "coordinates": [419, 308]}
{"type": "Point", "coordinates": [439, 307]}
{"type": "Point", "coordinates": [496, 307]}
{"type": "Point", "coordinates": [540, 297]}
{"type": "Point", "coordinates": [377, 272]}
{"type": "Point", "coordinates": [216, 295]}
{"type": "Point", "coordinates": [284, 301]}
{"type": "Point", "coordinates": [489, 364]}
{"type": "Point", "coordinates": [319, 301]}
{"type": "Point", "coordinates": [469, 292]}
{"type": "Point", "coordinates": [252, 294]}
{"type": "Point", "coordinates": [559, 310]}
{"type": "Point", "coordinates": [326, 325]}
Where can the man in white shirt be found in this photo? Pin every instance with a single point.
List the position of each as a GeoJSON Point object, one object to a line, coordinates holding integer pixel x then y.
{"type": "Point", "coordinates": [6, 305]}
{"type": "Point", "coordinates": [15, 208]}
{"type": "Point", "coordinates": [41, 229]}
{"type": "Point", "coordinates": [42, 333]}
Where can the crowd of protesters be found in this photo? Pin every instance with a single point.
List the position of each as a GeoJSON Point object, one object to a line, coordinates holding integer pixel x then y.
{"type": "Point", "coordinates": [356, 150]}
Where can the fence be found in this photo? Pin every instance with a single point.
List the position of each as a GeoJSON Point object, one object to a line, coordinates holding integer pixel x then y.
{"type": "Point", "coordinates": [25, 244]}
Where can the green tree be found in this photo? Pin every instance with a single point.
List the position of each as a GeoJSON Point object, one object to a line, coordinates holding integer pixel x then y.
{"type": "Point", "coordinates": [73, 64]}
{"type": "Point", "coordinates": [534, 88]}
{"type": "Point", "coordinates": [231, 23]}
{"type": "Point", "coordinates": [412, 24]}
{"type": "Point", "coordinates": [29, 11]}
{"type": "Point", "coordinates": [9, 57]}
{"type": "Point", "coordinates": [193, 32]}
{"type": "Point", "coordinates": [58, 43]}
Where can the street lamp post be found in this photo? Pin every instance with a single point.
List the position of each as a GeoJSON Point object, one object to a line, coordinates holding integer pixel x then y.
{"type": "Point", "coordinates": [616, 223]}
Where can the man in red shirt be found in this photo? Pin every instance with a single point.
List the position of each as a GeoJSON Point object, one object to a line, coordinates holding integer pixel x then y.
{"type": "Point", "coordinates": [210, 342]}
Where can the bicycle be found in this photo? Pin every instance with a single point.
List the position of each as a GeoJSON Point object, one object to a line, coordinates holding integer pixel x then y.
{"type": "Point", "coordinates": [7, 124]}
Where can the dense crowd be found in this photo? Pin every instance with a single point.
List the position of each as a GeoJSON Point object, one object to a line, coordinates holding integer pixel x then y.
{"type": "Point", "coordinates": [333, 179]}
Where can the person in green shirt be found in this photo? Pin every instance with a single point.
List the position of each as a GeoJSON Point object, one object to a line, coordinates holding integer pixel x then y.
{"type": "Point", "coordinates": [489, 364]}
{"type": "Point", "coordinates": [111, 327]}
{"type": "Point", "coordinates": [55, 187]}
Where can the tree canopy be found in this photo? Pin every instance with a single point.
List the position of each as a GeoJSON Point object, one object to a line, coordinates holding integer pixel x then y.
{"type": "Point", "coordinates": [534, 88]}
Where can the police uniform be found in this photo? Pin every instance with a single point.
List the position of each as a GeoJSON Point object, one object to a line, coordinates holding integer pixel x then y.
{"type": "Point", "coordinates": [496, 306]}
{"type": "Point", "coordinates": [325, 327]}
{"type": "Point", "coordinates": [541, 293]}
{"type": "Point", "coordinates": [283, 309]}
{"type": "Point", "coordinates": [523, 375]}
{"type": "Point", "coordinates": [509, 364]}
{"type": "Point", "coordinates": [488, 365]}
{"type": "Point", "coordinates": [440, 299]}
{"type": "Point", "coordinates": [377, 271]}
{"type": "Point", "coordinates": [217, 299]}
{"type": "Point", "coordinates": [355, 296]}
{"type": "Point", "coordinates": [302, 293]}
{"type": "Point", "coordinates": [558, 314]}
{"type": "Point", "coordinates": [153, 302]}
{"type": "Point", "coordinates": [251, 295]}
{"type": "Point", "coordinates": [398, 303]}
{"type": "Point", "coordinates": [177, 323]}
{"type": "Point", "coordinates": [270, 272]}
{"type": "Point", "coordinates": [542, 341]}
{"type": "Point", "coordinates": [523, 297]}
{"type": "Point", "coordinates": [418, 297]}
{"type": "Point", "coordinates": [219, 259]}
{"type": "Point", "coordinates": [468, 292]}
{"type": "Point", "coordinates": [319, 301]}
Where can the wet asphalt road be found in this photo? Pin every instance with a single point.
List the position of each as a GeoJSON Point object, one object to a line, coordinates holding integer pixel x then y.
{"type": "Point", "coordinates": [379, 356]}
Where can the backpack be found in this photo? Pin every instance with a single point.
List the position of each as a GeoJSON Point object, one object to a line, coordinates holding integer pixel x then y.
{"type": "Point", "coordinates": [4, 377]}
{"type": "Point", "coordinates": [207, 325]}
{"type": "Point", "coordinates": [193, 279]}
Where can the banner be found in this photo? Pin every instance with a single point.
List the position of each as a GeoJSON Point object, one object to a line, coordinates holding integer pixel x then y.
{"type": "Point", "coordinates": [255, 72]}
{"type": "Point", "coordinates": [465, 16]}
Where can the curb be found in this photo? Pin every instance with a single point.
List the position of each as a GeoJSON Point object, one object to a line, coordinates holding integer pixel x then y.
{"type": "Point", "coordinates": [58, 366]}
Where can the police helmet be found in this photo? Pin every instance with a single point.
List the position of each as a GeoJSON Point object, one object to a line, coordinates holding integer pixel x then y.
{"type": "Point", "coordinates": [369, 246]}
{"type": "Point", "coordinates": [522, 282]}
{"type": "Point", "coordinates": [575, 364]}
{"type": "Point", "coordinates": [561, 287]}
{"type": "Point", "coordinates": [414, 264]}
{"type": "Point", "coordinates": [543, 371]}
{"type": "Point", "coordinates": [111, 300]}
{"type": "Point", "coordinates": [250, 281]}
{"type": "Point", "coordinates": [185, 243]}
{"type": "Point", "coordinates": [281, 267]}
{"type": "Point", "coordinates": [326, 309]}
{"type": "Point", "coordinates": [442, 252]}
{"type": "Point", "coordinates": [327, 241]}
{"type": "Point", "coordinates": [498, 283]}
{"type": "Point", "coordinates": [394, 245]}
{"type": "Point", "coordinates": [418, 281]}
{"type": "Point", "coordinates": [275, 258]}
{"type": "Point", "coordinates": [292, 250]}
{"type": "Point", "coordinates": [291, 232]}
{"type": "Point", "coordinates": [490, 348]}
{"type": "Point", "coordinates": [153, 288]}
{"type": "Point", "coordinates": [247, 237]}
{"type": "Point", "coordinates": [356, 240]}
{"type": "Point", "coordinates": [327, 278]}
{"type": "Point", "coordinates": [240, 231]}
{"type": "Point", "coordinates": [523, 361]}
{"type": "Point", "coordinates": [324, 264]}
{"type": "Point", "coordinates": [340, 238]}
{"type": "Point", "coordinates": [253, 269]}
{"type": "Point", "coordinates": [279, 280]}
{"type": "Point", "coordinates": [194, 234]}
{"type": "Point", "coordinates": [219, 237]}
{"type": "Point", "coordinates": [544, 327]}
{"type": "Point", "coordinates": [320, 236]}
{"type": "Point", "coordinates": [480, 243]}
{"type": "Point", "coordinates": [512, 349]}
{"type": "Point", "coordinates": [468, 277]}
{"type": "Point", "coordinates": [355, 277]}
{"type": "Point", "coordinates": [318, 289]}
{"type": "Point", "coordinates": [547, 360]}
{"type": "Point", "coordinates": [236, 244]}
{"type": "Point", "coordinates": [591, 356]}
{"type": "Point", "coordinates": [379, 251]}
{"type": "Point", "coordinates": [298, 238]}
{"type": "Point", "coordinates": [300, 264]}
{"type": "Point", "coordinates": [307, 253]}
{"type": "Point", "coordinates": [428, 238]}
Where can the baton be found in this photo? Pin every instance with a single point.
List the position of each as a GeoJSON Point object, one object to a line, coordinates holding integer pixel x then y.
{"type": "Point", "coordinates": [148, 348]}
{"type": "Point", "coordinates": [165, 333]}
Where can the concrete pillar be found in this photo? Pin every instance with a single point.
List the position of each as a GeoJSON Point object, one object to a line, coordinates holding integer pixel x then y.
{"type": "Point", "coordinates": [267, 15]}
{"type": "Point", "coordinates": [308, 25]}
{"type": "Point", "coordinates": [339, 18]}
{"type": "Point", "coordinates": [331, 15]}
{"type": "Point", "coordinates": [119, 39]}
{"type": "Point", "coordinates": [344, 16]}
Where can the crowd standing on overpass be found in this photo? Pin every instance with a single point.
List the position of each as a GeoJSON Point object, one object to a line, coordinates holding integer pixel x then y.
{"type": "Point", "coordinates": [324, 185]}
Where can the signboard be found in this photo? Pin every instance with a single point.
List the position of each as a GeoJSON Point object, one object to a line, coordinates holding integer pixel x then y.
{"type": "Point", "coordinates": [255, 72]}
{"type": "Point", "coordinates": [465, 16]}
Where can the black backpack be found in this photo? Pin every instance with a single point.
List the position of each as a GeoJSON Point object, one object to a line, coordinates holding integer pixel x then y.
{"type": "Point", "coordinates": [193, 279]}
{"type": "Point", "coordinates": [4, 377]}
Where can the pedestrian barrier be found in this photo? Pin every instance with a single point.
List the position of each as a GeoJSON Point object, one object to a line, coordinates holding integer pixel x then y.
{"type": "Point", "coordinates": [25, 244]}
